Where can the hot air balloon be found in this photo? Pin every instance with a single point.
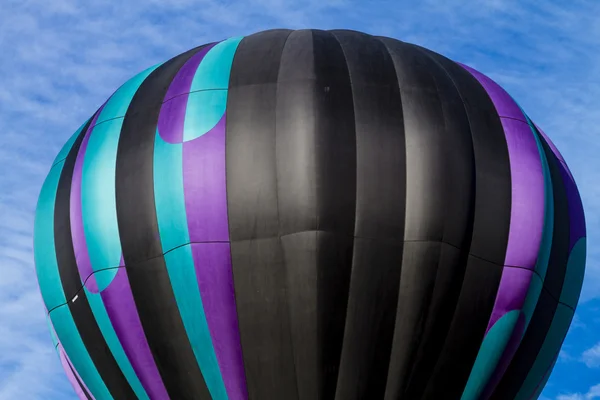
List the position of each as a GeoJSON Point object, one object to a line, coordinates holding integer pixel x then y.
{"type": "Point", "coordinates": [309, 215]}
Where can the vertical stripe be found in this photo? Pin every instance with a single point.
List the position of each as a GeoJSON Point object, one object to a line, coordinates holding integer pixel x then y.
{"type": "Point", "coordinates": [215, 279]}
{"type": "Point", "coordinates": [257, 256]}
{"type": "Point", "coordinates": [206, 208]}
{"type": "Point", "coordinates": [93, 186]}
{"type": "Point", "coordinates": [99, 237]}
{"type": "Point", "coordinates": [379, 217]}
{"type": "Point", "coordinates": [67, 331]}
{"type": "Point", "coordinates": [168, 190]}
{"type": "Point", "coordinates": [180, 266]}
{"type": "Point", "coordinates": [44, 244]}
{"type": "Point", "coordinates": [140, 239]}
{"type": "Point", "coordinates": [315, 147]}
{"type": "Point", "coordinates": [529, 211]}
{"type": "Point", "coordinates": [93, 335]}
{"type": "Point", "coordinates": [546, 306]}
{"type": "Point", "coordinates": [571, 285]}
{"type": "Point", "coordinates": [116, 313]}
{"type": "Point", "coordinates": [491, 217]}
{"type": "Point", "coordinates": [439, 216]}
{"type": "Point", "coordinates": [82, 256]}
{"type": "Point", "coordinates": [169, 186]}
{"type": "Point", "coordinates": [72, 376]}
{"type": "Point", "coordinates": [51, 286]}
{"type": "Point", "coordinates": [61, 352]}
{"type": "Point", "coordinates": [204, 182]}
{"type": "Point", "coordinates": [193, 175]}
{"type": "Point", "coordinates": [100, 227]}
{"type": "Point", "coordinates": [553, 341]}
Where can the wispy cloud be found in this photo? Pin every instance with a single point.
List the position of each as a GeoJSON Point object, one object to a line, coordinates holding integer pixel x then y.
{"type": "Point", "coordinates": [591, 394]}
{"type": "Point", "coordinates": [62, 58]}
{"type": "Point", "coordinates": [591, 357]}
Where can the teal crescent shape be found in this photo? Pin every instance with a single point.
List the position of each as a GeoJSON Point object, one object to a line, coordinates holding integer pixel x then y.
{"type": "Point", "coordinates": [207, 100]}
{"type": "Point", "coordinates": [491, 350]}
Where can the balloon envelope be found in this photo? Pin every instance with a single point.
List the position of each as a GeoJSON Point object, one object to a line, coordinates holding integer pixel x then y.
{"type": "Point", "coordinates": [309, 215]}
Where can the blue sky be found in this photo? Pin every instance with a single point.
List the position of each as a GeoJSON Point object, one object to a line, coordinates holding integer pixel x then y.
{"type": "Point", "coordinates": [61, 59]}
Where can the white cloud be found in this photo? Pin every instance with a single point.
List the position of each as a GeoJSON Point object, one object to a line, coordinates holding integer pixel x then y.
{"type": "Point", "coordinates": [591, 357]}
{"type": "Point", "coordinates": [592, 394]}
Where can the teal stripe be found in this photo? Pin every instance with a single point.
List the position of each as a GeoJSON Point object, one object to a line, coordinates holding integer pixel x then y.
{"type": "Point", "coordinates": [62, 154]}
{"type": "Point", "coordinates": [110, 336]}
{"type": "Point", "coordinates": [99, 202]}
{"type": "Point", "coordinates": [533, 295]}
{"type": "Point", "coordinates": [215, 68]}
{"type": "Point", "coordinates": [119, 102]}
{"type": "Point", "coordinates": [169, 195]}
{"type": "Point", "coordinates": [98, 188]}
{"type": "Point", "coordinates": [574, 275]}
{"type": "Point", "coordinates": [71, 341]}
{"type": "Point", "coordinates": [51, 287]}
{"type": "Point", "coordinates": [552, 343]}
{"type": "Point", "coordinates": [180, 266]}
{"type": "Point", "coordinates": [489, 354]}
{"type": "Point", "coordinates": [172, 225]}
{"type": "Point", "coordinates": [99, 211]}
{"type": "Point", "coordinates": [46, 264]}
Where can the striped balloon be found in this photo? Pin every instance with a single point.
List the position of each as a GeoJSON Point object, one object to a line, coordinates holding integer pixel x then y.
{"type": "Point", "coordinates": [309, 215]}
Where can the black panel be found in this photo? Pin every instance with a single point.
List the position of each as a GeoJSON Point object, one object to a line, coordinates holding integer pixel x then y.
{"type": "Point", "coordinates": [379, 230]}
{"type": "Point", "coordinates": [530, 346]}
{"type": "Point", "coordinates": [440, 174]}
{"type": "Point", "coordinates": [316, 180]}
{"type": "Point", "coordinates": [257, 258]}
{"type": "Point", "coordinates": [544, 312]}
{"type": "Point", "coordinates": [489, 239]}
{"type": "Point", "coordinates": [140, 238]}
{"type": "Point", "coordinates": [80, 309]}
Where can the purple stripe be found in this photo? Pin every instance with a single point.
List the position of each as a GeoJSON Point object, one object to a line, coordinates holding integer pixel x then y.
{"type": "Point", "coordinates": [172, 113]}
{"type": "Point", "coordinates": [68, 367]}
{"type": "Point", "coordinates": [205, 187]}
{"type": "Point", "coordinates": [503, 102]}
{"type": "Point", "coordinates": [215, 279]}
{"type": "Point", "coordinates": [512, 292]}
{"type": "Point", "coordinates": [527, 205]}
{"type": "Point", "coordinates": [206, 207]}
{"type": "Point", "coordinates": [82, 257]}
{"type": "Point", "coordinates": [527, 202]}
{"type": "Point", "coordinates": [121, 309]}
